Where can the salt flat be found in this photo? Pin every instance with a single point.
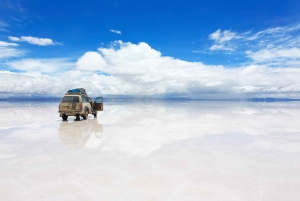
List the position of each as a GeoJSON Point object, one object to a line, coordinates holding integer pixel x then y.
{"type": "Point", "coordinates": [173, 151]}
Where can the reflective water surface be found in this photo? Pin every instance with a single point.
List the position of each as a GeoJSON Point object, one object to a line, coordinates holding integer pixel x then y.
{"type": "Point", "coordinates": [152, 151]}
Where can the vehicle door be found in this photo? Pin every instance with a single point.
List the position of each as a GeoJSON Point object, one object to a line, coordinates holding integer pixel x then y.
{"type": "Point", "coordinates": [98, 104]}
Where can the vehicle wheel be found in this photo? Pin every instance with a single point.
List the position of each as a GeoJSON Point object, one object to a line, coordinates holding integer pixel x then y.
{"type": "Point", "coordinates": [85, 115]}
{"type": "Point", "coordinates": [95, 114]}
{"type": "Point", "coordinates": [77, 118]}
{"type": "Point", "coordinates": [64, 117]}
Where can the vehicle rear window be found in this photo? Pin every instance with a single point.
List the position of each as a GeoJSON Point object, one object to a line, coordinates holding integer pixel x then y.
{"type": "Point", "coordinates": [70, 99]}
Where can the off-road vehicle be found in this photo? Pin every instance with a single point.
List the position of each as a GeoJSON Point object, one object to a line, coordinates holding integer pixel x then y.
{"type": "Point", "coordinates": [77, 103]}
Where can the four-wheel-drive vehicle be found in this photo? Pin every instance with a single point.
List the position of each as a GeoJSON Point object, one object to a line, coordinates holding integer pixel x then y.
{"type": "Point", "coordinates": [77, 103]}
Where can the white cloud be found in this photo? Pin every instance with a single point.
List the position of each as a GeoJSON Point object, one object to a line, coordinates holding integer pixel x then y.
{"type": "Point", "coordinates": [41, 65]}
{"type": "Point", "coordinates": [91, 61]}
{"type": "Point", "coordinates": [9, 50]}
{"type": "Point", "coordinates": [115, 31]}
{"type": "Point", "coordinates": [6, 44]}
{"type": "Point", "coordinates": [129, 52]}
{"type": "Point", "coordinates": [138, 69]}
{"type": "Point", "coordinates": [277, 46]}
{"type": "Point", "coordinates": [221, 47]}
{"type": "Point", "coordinates": [287, 36]}
{"type": "Point", "coordinates": [32, 83]}
{"type": "Point", "coordinates": [224, 36]}
{"type": "Point", "coordinates": [221, 40]}
{"type": "Point", "coordinates": [267, 55]}
{"type": "Point", "coordinates": [34, 40]}
{"type": "Point", "coordinates": [273, 33]}
{"type": "Point", "coordinates": [269, 32]}
{"type": "Point", "coordinates": [12, 38]}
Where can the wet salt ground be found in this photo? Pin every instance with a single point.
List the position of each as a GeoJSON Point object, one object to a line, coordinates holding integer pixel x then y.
{"type": "Point", "coordinates": [152, 151]}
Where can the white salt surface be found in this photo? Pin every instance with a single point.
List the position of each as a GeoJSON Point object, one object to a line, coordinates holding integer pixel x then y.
{"type": "Point", "coordinates": [219, 151]}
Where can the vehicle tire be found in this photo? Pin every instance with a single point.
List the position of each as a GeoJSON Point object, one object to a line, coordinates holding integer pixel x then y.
{"type": "Point", "coordinates": [77, 118]}
{"type": "Point", "coordinates": [64, 117]}
{"type": "Point", "coordinates": [95, 114]}
{"type": "Point", "coordinates": [85, 115]}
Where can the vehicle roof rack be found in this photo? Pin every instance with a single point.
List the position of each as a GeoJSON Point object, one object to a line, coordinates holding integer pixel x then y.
{"type": "Point", "coordinates": [78, 91]}
{"type": "Point", "coordinates": [74, 93]}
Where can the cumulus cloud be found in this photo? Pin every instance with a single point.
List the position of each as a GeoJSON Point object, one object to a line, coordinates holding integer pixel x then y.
{"type": "Point", "coordinates": [139, 70]}
{"type": "Point", "coordinates": [34, 40]}
{"type": "Point", "coordinates": [91, 61]}
{"type": "Point", "coordinates": [30, 83]}
{"type": "Point", "coordinates": [115, 31]}
{"type": "Point", "coordinates": [129, 52]}
{"type": "Point", "coordinates": [9, 50]}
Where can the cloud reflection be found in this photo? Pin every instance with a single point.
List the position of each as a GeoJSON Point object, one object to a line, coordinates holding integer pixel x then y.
{"type": "Point", "coordinates": [218, 150]}
{"type": "Point", "coordinates": [140, 129]}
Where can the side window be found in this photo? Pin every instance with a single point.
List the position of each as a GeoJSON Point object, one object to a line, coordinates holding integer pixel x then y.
{"type": "Point", "coordinates": [83, 99]}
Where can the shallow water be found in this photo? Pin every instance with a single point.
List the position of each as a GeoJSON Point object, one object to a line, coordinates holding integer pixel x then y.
{"type": "Point", "coordinates": [152, 151]}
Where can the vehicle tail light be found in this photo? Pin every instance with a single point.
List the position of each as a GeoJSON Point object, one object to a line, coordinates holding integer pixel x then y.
{"type": "Point", "coordinates": [80, 106]}
{"type": "Point", "coordinates": [59, 107]}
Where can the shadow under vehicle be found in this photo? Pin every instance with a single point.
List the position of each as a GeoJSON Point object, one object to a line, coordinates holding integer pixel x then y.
{"type": "Point", "coordinates": [81, 134]}
{"type": "Point", "coordinates": [77, 103]}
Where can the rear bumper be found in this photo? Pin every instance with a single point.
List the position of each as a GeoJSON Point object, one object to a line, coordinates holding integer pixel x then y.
{"type": "Point", "coordinates": [70, 113]}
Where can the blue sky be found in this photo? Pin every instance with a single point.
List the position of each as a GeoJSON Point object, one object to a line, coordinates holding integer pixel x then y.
{"type": "Point", "coordinates": [152, 48]}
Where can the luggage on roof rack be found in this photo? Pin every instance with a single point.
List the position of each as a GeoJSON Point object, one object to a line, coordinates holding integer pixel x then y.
{"type": "Point", "coordinates": [76, 91]}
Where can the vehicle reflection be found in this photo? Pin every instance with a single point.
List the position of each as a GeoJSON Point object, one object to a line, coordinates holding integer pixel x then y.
{"type": "Point", "coordinates": [81, 134]}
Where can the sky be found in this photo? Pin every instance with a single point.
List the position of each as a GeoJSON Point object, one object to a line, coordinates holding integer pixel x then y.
{"type": "Point", "coordinates": [160, 49]}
